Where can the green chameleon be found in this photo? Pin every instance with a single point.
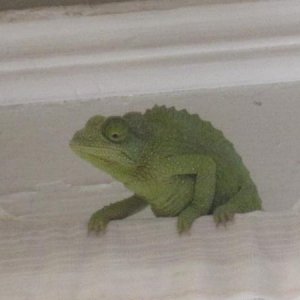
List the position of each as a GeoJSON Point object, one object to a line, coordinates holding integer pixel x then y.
{"type": "Point", "coordinates": [171, 160]}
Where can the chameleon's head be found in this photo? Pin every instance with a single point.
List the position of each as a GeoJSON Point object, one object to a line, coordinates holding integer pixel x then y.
{"type": "Point", "coordinates": [108, 143]}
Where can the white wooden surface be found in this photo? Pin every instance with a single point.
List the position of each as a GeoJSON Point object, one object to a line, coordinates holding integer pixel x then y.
{"type": "Point", "coordinates": [236, 65]}
{"type": "Point", "coordinates": [47, 255]}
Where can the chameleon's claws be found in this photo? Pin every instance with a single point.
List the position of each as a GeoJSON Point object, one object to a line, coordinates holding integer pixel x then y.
{"type": "Point", "coordinates": [97, 222]}
{"type": "Point", "coordinates": [183, 224]}
{"type": "Point", "coordinates": [223, 215]}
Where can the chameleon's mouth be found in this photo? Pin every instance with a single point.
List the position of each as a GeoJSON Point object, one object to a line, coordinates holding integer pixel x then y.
{"type": "Point", "coordinates": [88, 152]}
{"type": "Point", "coordinates": [82, 149]}
{"type": "Point", "coordinates": [97, 155]}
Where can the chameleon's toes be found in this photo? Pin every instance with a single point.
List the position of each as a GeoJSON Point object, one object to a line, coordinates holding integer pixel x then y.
{"type": "Point", "coordinates": [222, 215]}
{"type": "Point", "coordinates": [183, 224]}
{"type": "Point", "coordinates": [97, 222]}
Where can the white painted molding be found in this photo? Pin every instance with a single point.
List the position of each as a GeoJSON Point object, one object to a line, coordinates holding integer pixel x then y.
{"type": "Point", "coordinates": [60, 57]}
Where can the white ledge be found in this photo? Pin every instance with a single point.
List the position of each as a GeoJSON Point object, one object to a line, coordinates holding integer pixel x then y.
{"type": "Point", "coordinates": [45, 252]}
{"type": "Point", "coordinates": [58, 58]}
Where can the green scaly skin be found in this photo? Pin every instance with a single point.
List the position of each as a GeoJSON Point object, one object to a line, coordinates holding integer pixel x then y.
{"type": "Point", "coordinates": [171, 160]}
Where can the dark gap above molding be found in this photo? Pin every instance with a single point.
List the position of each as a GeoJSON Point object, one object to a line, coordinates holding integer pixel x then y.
{"type": "Point", "coordinates": [25, 4]}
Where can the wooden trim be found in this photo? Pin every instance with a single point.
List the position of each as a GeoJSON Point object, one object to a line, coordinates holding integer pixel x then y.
{"type": "Point", "coordinates": [57, 58]}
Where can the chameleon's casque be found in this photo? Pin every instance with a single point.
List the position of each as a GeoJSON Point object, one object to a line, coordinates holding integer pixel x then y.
{"type": "Point", "coordinates": [173, 161]}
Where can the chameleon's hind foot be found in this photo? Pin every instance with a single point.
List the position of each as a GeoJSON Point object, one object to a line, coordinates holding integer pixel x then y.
{"type": "Point", "coordinates": [223, 214]}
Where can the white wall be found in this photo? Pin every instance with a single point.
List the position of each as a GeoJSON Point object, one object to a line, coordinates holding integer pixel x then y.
{"type": "Point", "coordinates": [262, 121]}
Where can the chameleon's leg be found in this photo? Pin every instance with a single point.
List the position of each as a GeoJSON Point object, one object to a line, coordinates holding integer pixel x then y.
{"type": "Point", "coordinates": [245, 200]}
{"type": "Point", "coordinates": [203, 197]}
{"type": "Point", "coordinates": [205, 170]}
{"type": "Point", "coordinates": [115, 211]}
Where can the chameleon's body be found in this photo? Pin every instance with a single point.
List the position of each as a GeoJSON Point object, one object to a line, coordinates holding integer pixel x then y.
{"type": "Point", "coordinates": [177, 163]}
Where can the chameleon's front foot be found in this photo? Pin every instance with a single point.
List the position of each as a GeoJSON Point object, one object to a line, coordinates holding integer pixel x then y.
{"type": "Point", "coordinates": [98, 222]}
{"type": "Point", "coordinates": [183, 224]}
{"type": "Point", "coordinates": [186, 219]}
{"type": "Point", "coordinates": [115, 211]}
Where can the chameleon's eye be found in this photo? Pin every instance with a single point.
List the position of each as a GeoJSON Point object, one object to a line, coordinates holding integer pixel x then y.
{"type": "Point", "coordinates": [115, 129]}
